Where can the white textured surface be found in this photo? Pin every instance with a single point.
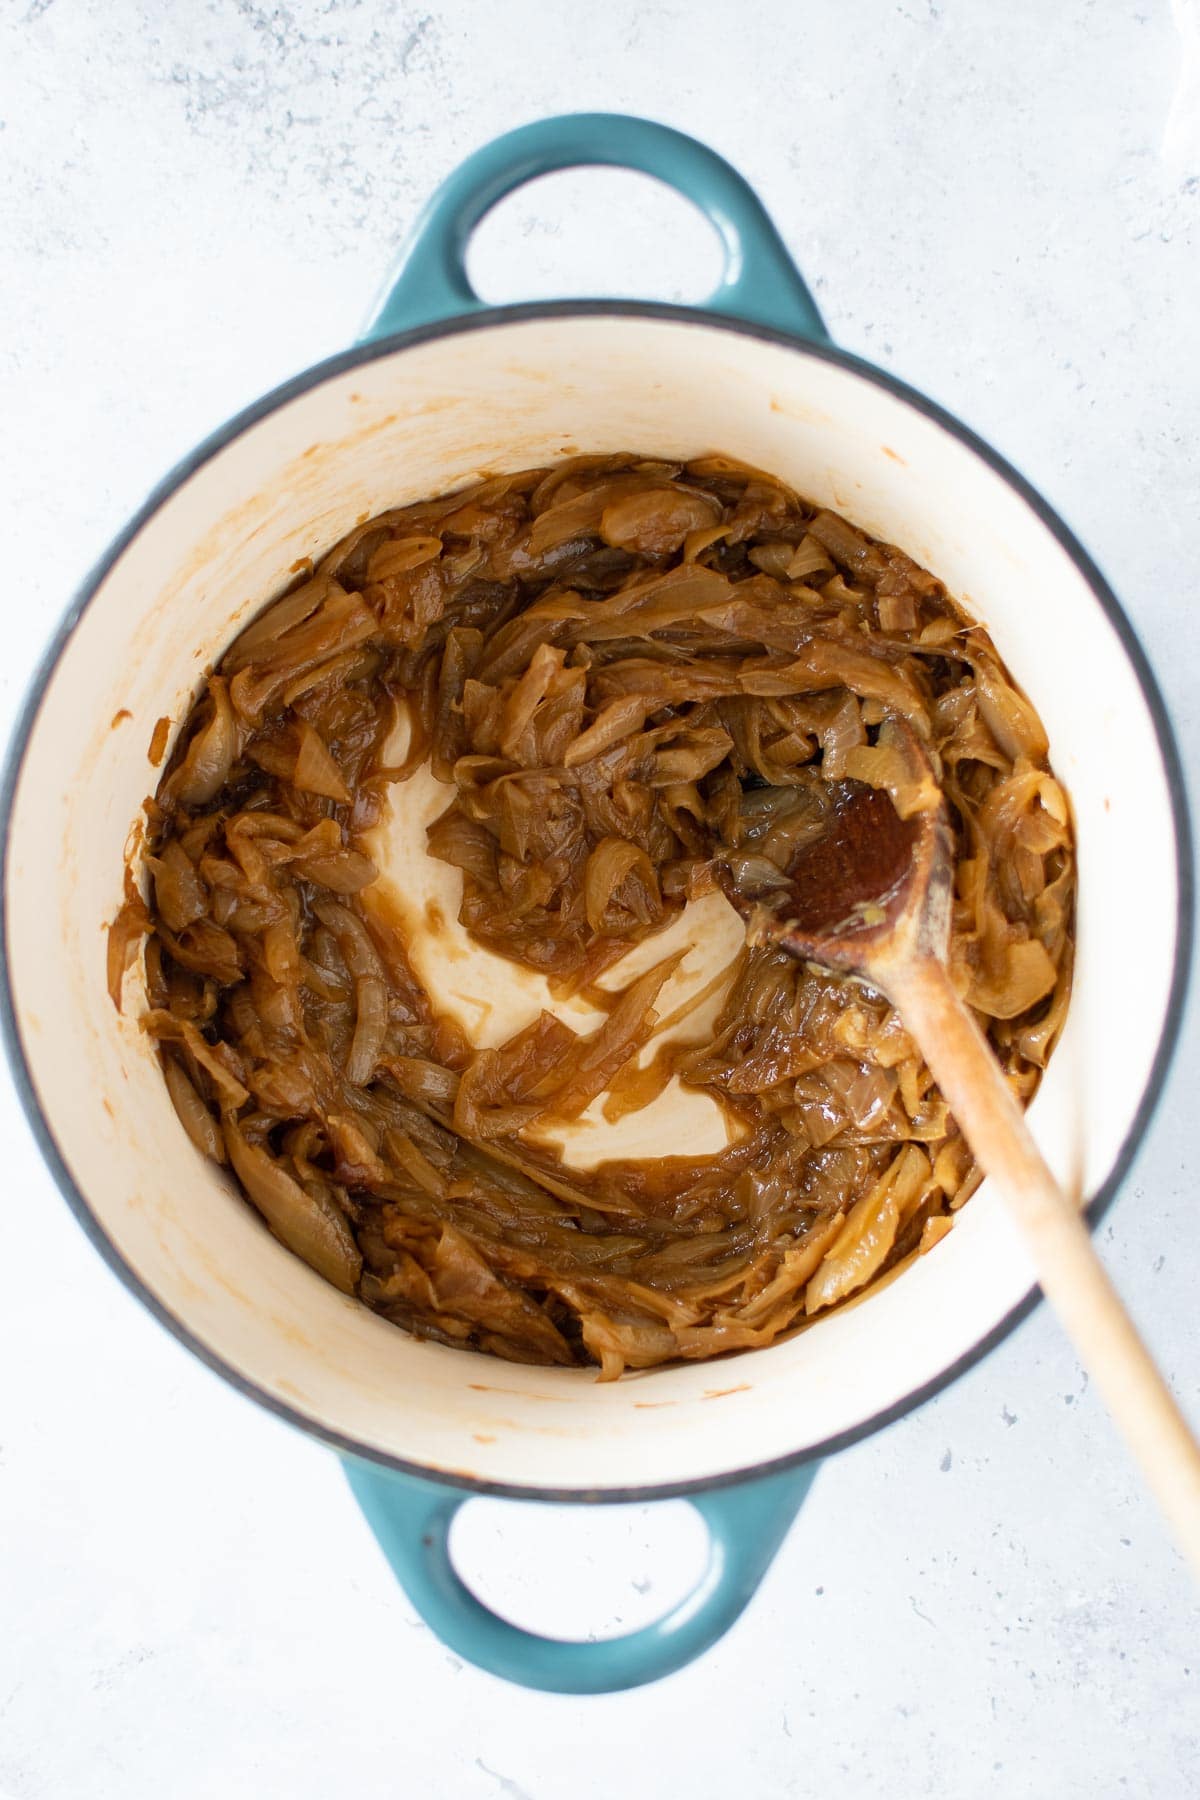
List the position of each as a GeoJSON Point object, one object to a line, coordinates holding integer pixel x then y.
{"type": "Point", "coordinates": [977, 1602]}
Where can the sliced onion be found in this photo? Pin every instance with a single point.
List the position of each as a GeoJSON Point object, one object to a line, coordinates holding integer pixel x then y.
{"type": "Point", "coordinates": [620, 887]}
{"type": "Point", "coordinates": [194, 1116]}
{"type": "Point", "coordinates": [171, 1028]}
{"type": "Point", "coordinates": [397, 556]}
{"type": "Point", "coordinates": [311, 1226]}
{"type": "Point", "coordinates": [342, 872]}
{"type": "Point", "coordinates": [370, 1029]}
{"type": "Point", "coordinates": [124, 935]}
{"type": "Point", "coordinates": [1008, 715]}
{"type": "Point", "coordinates": [1028, 976]}
{"type": "Point", "coordinates": [861, 1246]}
{"type": "Point", "coordinates": [262, 634]}
{"type": "Point", "coordinates": [211, 753]}
{"type": "Point", "coordinates": [179, 893]}
{"type": "Point", "coordinates": [618, 720]}
{"type": "Point", "coordinates": [657, 520]}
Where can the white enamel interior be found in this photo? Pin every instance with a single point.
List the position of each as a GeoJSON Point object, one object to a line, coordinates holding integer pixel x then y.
{"type": "Point", "coordinates": [413, 423]}
{"type": "Point", "coordinates": [492, 998]}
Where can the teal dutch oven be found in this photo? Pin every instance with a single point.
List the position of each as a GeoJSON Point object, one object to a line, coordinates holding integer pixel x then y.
{"type": "Point", "coordinates": [440, 389]}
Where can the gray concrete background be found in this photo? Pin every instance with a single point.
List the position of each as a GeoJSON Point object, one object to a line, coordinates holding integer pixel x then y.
{"type": "Point", "coordinates": [195, 202]}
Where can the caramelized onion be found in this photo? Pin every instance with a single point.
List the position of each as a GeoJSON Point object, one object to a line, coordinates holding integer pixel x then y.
{"type": "Point", "coordinates": [631, 674]}
{"type": "Point", "coordinates": [309, 1224]}
{"type": "Point", "coordinates": [194, 1116]}
{"type": "Point", "coordinates": [205, 767]}
{"type": "Point", "coordinates": [862, 1245]}
{"type": "Point", "coordinates": [656, 520]}
{"type": "Point", "coordinates": [620, 888]}
{"type": "Point", "coordinates": [315, 770]}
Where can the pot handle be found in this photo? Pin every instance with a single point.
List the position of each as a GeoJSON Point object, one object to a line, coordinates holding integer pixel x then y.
{"type": "Point", "coordinates": [759, 283]}
{"type": "Point", "coordinates": [412, 1518]}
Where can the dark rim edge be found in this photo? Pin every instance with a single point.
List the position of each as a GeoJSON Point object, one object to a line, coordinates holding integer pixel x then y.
{"type": "Point", "coordinates": [370, 352]}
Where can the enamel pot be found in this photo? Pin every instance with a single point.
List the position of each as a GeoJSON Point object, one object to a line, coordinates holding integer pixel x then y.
{"type": "Point", "coordinates": [441, 389]}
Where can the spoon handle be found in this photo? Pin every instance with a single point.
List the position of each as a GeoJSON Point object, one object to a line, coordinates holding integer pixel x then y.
{"type": "Point", "coordinates": [1071, 1274]}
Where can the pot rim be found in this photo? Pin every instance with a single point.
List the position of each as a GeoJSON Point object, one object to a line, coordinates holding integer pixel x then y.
{"type": "Point", "coordinates": [370, 351]}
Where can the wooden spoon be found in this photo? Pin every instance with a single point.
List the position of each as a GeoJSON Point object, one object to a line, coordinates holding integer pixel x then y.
{"type": "Point", "coordinates": [871, 898]}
